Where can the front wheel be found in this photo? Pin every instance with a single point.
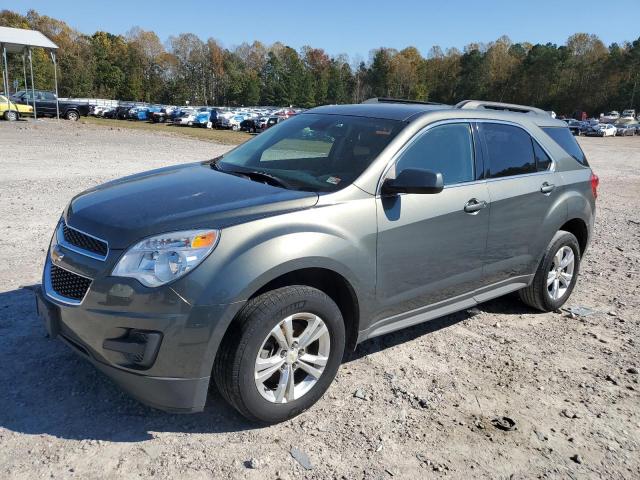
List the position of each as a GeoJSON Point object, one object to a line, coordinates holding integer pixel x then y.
{"type": "Point", "coordinates": [556, 275]}
{"type": "Point", "coordinates": [281, 353]}
{"type": "Point", "coordinates": [11, 115]}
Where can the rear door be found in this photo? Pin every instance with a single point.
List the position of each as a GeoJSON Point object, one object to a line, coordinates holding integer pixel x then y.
{"type": "Point", "coordinates": [431, 247]}
{"type": "Point", "coordinates": [522, 188]}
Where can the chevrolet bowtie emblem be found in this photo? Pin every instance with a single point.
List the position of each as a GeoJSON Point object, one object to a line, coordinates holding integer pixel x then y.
{"type": "Point", "coordinates": [56, 254]}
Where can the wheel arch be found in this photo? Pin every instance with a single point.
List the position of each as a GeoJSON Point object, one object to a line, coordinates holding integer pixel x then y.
{"type": "Point", "coordinates": [579, 229]}
{"type": "Point", "coordinates": [334, 285]}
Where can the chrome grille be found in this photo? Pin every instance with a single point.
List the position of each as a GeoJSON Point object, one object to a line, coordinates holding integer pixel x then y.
{"type": "Point", "coordinates": [67, 284]}
{"type": "Point", "coordinates": [83, 241]}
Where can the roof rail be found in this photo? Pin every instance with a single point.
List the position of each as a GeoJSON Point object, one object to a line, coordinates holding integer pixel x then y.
{"type": "Point", "coordinates": [508, 107]}
{"type": "Point", "coordinates": [398, 100]}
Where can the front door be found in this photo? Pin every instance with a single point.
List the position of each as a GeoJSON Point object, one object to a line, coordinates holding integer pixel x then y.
{"type": "Point", "coordinates": [46, 103]}
{"type": "Point", "coordinates": [431, 246]}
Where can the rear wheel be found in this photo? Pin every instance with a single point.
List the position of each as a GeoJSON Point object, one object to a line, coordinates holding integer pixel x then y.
{"type": "Point", "coordinates": [556, 275]}
{"type": "Point", "coordinates": [11, 115]}
{"type": "Point", "coordinates": [72, 115]}
{"type": "Point", "coordinates": [281, 353]}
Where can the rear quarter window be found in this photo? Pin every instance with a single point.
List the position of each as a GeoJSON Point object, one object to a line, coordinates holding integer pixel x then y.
{"type": "Point", "coordinates": [563, 137]}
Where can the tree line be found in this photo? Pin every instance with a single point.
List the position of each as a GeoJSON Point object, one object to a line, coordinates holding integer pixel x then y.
{"type": "Point", "coordinates": [584, 74]}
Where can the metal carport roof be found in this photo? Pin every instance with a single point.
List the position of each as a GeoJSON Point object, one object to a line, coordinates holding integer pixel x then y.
{"type": "Point", "coordinates": [16, 39]}
{"type": "Point", "coordinates": [20, 40]}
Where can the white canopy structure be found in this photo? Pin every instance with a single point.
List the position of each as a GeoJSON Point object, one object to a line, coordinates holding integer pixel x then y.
{"type": "Point", "coordinates": [19, 40]}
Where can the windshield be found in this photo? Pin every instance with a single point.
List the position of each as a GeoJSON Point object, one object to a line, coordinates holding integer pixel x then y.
{"type": "Point", "coordinates": [314, 152]}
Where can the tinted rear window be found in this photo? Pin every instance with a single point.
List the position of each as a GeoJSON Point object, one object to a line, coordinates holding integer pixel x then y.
{"type": "Point", "coordinates": [567, 141]}
{"type": "Point", "coordinates": [510, 150]}
{"type": "Point", "coordinates": [543, 162]}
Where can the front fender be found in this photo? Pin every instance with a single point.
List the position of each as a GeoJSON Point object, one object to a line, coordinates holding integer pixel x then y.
{"type": "Point", "coordinates": [339, 237]}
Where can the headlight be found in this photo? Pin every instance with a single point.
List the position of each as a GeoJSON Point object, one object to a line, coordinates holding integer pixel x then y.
{"type": "Point", "coordinates": [161, 259]}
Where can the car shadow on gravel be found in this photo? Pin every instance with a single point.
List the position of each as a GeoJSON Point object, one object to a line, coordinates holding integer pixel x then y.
{"type": "Point", "coordinates": [46, 389]}
{"type": "Point", "coordinates": [506, 305]}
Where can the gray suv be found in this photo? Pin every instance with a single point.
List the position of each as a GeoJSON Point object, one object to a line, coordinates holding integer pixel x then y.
{"type": "Point", "coordinates": [259, 268]}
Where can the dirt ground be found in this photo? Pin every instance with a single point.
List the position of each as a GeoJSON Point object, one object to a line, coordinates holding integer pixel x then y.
{"type": "Point", "coordinates": [413, 404]}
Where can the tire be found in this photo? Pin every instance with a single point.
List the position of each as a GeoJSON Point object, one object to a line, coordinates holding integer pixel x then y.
{"type": "Point", "coordinates": [235, 367]}
{"type": "Point", "coordinates": [72, 115]}
{"type": "Point", "coordinates": [235, 128]}
{"type": "Point", "coordinates": [11, 115]}
{"type": "Point", "coordinates": [538, 294]}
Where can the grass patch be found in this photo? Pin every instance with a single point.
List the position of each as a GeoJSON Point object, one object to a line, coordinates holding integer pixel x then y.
{"type": "Point", "coordinates": [225, 137]}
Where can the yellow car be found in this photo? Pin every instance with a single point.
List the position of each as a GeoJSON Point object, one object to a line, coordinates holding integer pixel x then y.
{"type": "Point", "coordinates": [12, 111]}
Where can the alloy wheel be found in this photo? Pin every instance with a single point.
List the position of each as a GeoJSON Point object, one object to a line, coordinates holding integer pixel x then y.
{"type": "Point", "coordinates": [561, 272]}
{"type": "Point", "coordinates": [292, 358]}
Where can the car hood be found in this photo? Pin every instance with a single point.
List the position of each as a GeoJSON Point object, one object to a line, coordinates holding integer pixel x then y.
{"type": "Point", "coordinates": [177, 198]}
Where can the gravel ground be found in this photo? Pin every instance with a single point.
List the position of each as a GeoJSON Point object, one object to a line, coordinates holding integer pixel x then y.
{"type": "Point", "coordinates": [413, 404]}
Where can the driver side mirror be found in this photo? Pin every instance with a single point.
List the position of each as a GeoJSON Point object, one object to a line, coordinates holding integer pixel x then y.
{"type": "Point", "coordinates": [413, 180]}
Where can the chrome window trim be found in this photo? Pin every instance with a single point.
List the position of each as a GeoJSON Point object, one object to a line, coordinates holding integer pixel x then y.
{"type": "Point", "coordinates": [424, 130]}
{"type": "Point", "coordinates": [62, 241]}
{"type": "Point", "coordinates": [51, 293]}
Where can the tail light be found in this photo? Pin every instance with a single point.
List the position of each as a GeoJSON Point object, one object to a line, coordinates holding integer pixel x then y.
{"type": "Point", "coordinates": [595, 181]}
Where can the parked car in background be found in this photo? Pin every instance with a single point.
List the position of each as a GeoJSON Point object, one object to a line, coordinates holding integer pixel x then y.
{"type": "Point", "coordinates": [13, 111]}
{"type": "Point", "coordinates": [577, 127]}
{"type": "Point", "coordinates": [122, 112]}
{"type": "Point", "coordinates": [162, 115]}
{"type": "Point", "coordinates": [186, 117]}
{"type": "Point", "coordinates": [206, 117]}
{"type": "Point", "coordinates": [251, 125]}
{"type": "Point", "coordinates": [274, 121]}
{"type": "Point", "coordinates": [610, 117]}
{"type": "Point", "coordinates": [629, 113]}
{"type": "Point", "coordinates": [625, 129]}
{"type": "Point", "coordinates": [602, 130]}
{"type": "Point", "coordinates": [46, 104]}
{"type": "Point", "coordinates": [110, 113]}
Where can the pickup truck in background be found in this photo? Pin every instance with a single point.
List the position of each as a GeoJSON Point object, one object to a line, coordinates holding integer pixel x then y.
{"type": "Point", "coordinates": [46, 104]}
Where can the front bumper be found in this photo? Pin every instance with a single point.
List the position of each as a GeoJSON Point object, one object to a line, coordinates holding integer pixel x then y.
{"type": "Point", "coordinates": [178, 395]}
{"type": "Point", "coordinates": [175, 373]}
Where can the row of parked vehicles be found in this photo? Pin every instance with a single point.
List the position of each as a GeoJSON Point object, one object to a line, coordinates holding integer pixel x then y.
{"type": "Point", "coordinates": [47, 104]}
{"type": "Point", "coordinates": [249, 119]}
{"type": "Point", "coordinates": [611, 124]}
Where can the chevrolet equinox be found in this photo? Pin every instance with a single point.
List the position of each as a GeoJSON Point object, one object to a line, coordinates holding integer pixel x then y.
{"type": "Point", "coordinates": [258, 269]}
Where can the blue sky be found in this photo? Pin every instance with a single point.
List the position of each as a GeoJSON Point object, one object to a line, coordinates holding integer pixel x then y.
{"type": "Point", "coordinates": [349, 26]}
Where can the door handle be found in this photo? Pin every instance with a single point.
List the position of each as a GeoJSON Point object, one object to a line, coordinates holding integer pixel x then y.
{"type": "Point", "coordinates": [547, 187]}
{"type": "Point", "coordinates": [474, 205]}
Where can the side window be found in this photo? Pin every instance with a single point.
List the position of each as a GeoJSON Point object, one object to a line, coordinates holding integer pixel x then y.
{"type": "Point", "coordinates": [543, 162]}
{"type": "Point", "coordinates": [566, 140]}
{"type": "Point", "coordinates": [50, 97]}
{"type": "Point", "coordinates": [510, 150]}
{"type": "Point", "coordinates": [447, 149]}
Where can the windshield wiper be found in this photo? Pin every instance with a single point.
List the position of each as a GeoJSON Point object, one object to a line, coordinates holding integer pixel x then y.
{"type": "Point", "coordinates": [214, 164]}
{"type": "Point", "coordinates": [254, 175]}
{"type": "Point", "coordinates": [266, 177]}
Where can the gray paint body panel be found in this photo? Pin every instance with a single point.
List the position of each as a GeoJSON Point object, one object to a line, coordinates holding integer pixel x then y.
{"type": "Point", "coordinates": [408, 258]}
